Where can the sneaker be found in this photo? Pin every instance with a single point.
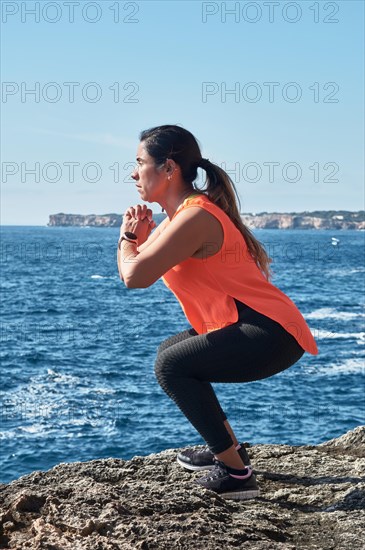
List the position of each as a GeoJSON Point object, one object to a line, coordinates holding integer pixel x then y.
{"type": "Point", "coordinates": [204, 459]}
{"type": "Point", "coordinates": [219, 481]}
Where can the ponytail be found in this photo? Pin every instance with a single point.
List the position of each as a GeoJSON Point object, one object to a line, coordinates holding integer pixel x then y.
{"type": "Point", "coordinates": [221, 190]}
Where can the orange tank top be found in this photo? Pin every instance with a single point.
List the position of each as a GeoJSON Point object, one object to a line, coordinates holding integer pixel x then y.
{"type": "Point", "coordinates": [206, 287]}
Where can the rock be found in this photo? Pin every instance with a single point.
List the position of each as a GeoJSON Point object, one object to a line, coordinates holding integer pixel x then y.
{"type": "Point", "coordinates": [353, 441]}
{"type": "Point", "coordinates": [312, 497]}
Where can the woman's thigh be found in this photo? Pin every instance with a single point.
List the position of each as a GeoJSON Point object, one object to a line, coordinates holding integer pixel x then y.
{"type": "Point", "coordinates": [175, 338]}
{"type": "Point", "coordinates": [253, 348]}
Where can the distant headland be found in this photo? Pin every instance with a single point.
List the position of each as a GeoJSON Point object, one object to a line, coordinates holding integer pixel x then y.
{"type": "Point", "coordinates": [318, 219]}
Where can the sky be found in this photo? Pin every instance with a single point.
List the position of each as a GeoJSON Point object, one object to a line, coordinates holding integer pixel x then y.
{"type": "Point", "coordinates": [272, 90]}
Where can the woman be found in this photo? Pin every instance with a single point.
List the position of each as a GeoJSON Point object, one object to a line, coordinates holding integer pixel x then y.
{"type": "Point", "coordinates": [243, 327]}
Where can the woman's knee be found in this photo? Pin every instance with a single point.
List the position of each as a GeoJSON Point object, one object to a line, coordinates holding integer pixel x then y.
{"type": "Point", "coordinates": [164, 345]}
{"type": "Point", "coordinates": [162, 367]}
{"type": "Point", "coordinates": [167, 370]}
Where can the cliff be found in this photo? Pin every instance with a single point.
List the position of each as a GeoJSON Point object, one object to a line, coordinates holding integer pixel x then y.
{"type": "Point", "coordinates": [314, 220]}
{"type": "Point", "coordinates": [304, 220]}
{"type": "Point", "coordinates": [92, 220]}
{"type": "Point", "coordinates": [312, 497]}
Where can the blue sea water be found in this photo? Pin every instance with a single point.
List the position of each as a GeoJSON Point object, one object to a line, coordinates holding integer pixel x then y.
{"type": "Point", "coordinates": [78, 350]}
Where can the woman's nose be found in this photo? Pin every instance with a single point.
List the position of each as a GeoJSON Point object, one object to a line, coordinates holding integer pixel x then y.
{"type": "Point", "coordinates": [134, 174]}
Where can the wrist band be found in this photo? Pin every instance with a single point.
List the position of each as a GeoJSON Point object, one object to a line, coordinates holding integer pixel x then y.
{"type": "Point", "coordinates": [125, 237]}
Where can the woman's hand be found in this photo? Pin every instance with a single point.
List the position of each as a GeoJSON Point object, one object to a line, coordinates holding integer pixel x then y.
{"type": "Point", "coordinates": [138, 220]}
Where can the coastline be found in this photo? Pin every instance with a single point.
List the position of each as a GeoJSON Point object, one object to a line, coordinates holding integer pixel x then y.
{"type": "Point", "coordinates": [330, 220]}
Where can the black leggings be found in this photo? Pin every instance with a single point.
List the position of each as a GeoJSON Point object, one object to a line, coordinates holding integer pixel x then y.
{"type": "Point", "coordinates": [253, 348]}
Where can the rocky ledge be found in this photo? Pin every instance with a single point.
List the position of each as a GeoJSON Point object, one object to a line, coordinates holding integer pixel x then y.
{"type": "Point", "coordinates": [312, 497]}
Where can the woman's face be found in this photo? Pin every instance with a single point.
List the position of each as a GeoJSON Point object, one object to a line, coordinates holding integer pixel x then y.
{"type": "Point", "coordinates": [149, 180]}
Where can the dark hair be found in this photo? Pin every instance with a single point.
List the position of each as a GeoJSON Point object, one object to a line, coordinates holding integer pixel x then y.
{"type": "Point", "coordinates": [176, 143]}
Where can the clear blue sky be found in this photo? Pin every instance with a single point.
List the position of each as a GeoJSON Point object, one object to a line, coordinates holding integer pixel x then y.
{"type": "Point", "coordinates": [170, 52]}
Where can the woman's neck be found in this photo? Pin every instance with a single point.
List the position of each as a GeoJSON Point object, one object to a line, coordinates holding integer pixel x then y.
{"type": "Point", "coordinates": [176, 204]}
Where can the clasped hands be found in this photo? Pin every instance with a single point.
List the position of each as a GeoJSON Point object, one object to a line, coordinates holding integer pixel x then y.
{"type": "Point", "coordinates": [138, 220]}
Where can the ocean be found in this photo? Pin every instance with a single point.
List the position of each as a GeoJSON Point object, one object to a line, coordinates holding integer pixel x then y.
{"type": "Point", "coordinates": [78, 350]}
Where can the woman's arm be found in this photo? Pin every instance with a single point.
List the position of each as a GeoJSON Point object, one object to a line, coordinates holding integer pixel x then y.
{"type": "Point", "coordinates": [156, 233]}
{"type": "Point", "coordinates": [118, 264]}
{"type": "Point", "coordinates": [137, 212]}
{"type": "Point", "coordinates": [182, 237]}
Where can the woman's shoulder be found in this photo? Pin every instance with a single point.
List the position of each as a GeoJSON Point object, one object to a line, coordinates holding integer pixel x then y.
{"type": "Point", "coordinates": [201, 200]}
{"type": "Point", "coordinates": [202, 207]}
{"type": "Point", "coordinates": [197, 198]}
{"type": "Point", "coordinates": [205, 203]}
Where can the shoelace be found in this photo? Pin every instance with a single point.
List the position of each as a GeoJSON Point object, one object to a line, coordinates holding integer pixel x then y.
{"type": "Point", "coordinates": [201, 451]}
{"type": "Point", "coordinates": [218, 471]}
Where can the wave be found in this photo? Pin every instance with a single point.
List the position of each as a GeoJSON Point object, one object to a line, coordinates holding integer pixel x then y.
{"type": "Point", "coordinates": [343, 271]}
{"type": "Point", "coordinates": [332, 313]}
{"type": "Point", "coordinates": [350, 365]}
{"type": "Point", "coordinates": [57, 377]}
{"type": "Point", "coordinates": [8, 434]}
{"type": "Point", "coordinates": [327, 334]}
{"type": "Point", "coordinates": [33, 429]}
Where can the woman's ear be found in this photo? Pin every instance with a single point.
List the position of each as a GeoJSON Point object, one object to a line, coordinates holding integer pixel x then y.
{"type": "Point", "coordinates": [170, 167]}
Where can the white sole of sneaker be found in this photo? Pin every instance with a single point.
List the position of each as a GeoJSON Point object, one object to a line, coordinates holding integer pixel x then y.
{"type": "Point", "coordinates": [193, 468]}
{"type": "Point", "coordinates": [197, 468]}
{"type": "Point", "coordinates": [241, 495]}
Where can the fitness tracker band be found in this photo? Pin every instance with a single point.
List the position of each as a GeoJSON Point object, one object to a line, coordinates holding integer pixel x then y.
{"type": "Point", "coordinates": [128, 236]}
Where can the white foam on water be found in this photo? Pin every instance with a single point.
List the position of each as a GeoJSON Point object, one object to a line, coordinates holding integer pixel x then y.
{"type": "Point", "coordinates": [101, 277]}
{"type": "Point", "coordinates": [8, 434]}
{"type": "Point", "coordinates": [350, 365]}
{"type": "Point", "coordinates": [327, 334]}
{"type": "Point", "coordinates": [33, 429]}
{"type": "Point", "coordinates": [104, 391]}
{"type": "Point", "coordinates": [60, 376]}
{"type": "Point", "coordinates": [332, 313]}
{"type": "Point", "coordinates": [54, 377]}
{"type": "Point", "coordinates": [344, 271]}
